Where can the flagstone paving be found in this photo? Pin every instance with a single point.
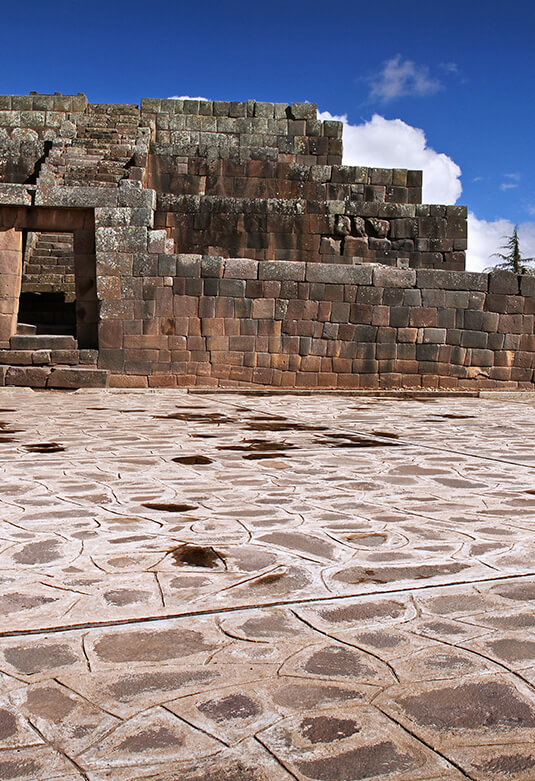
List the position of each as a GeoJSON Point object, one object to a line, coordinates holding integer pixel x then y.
{"type": "Point", "coordinates": [261, 587]}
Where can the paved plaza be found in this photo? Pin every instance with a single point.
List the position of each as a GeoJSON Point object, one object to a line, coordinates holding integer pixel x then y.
{"type": "Point", "coordinates": [258, 587]}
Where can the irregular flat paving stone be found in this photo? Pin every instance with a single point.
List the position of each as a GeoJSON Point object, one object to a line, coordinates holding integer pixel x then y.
{"type": "Point", "coordinates": [247, 588]}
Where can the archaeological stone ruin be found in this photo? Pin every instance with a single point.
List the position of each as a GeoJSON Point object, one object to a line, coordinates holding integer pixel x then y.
{"type": "Point", "coordinates": [211, 243]}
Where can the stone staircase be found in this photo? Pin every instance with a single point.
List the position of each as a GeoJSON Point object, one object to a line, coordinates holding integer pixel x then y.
{"type": "Point", "coordinates": [49, 264]}
{"type": "Point", "coordinates": [98, 156]}
{"type": "Point", "coordinates": [49, 361]}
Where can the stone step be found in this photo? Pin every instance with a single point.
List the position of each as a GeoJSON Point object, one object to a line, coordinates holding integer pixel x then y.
{"type": "Point", "coordinates": [53, 376]}
{"type": "Point", "coordinates": [48, 357]}
{"type": "Point", "coordinates": [42, 342]}
{"type": "Point", "coordinates": [25, 329]}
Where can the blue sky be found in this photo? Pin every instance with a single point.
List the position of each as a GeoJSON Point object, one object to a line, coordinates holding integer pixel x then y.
{"type": "Point", "coordinates": [462, 72]}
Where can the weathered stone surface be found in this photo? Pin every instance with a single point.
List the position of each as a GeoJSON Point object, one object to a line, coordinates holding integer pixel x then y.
{"type": "Point", "coordinates": [287, 652]}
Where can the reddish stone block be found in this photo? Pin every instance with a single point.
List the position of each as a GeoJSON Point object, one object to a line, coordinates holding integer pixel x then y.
{"type": "Point", "coordinates": [263, 308]}
{"type": "Point", "coordinates": [411, 381]}
{"type": "Point", "coordinates": [429, 381]}
{"type": "Point", "coordinates": [380, 315]}
{"type": "Point", "coordinates": [510, 324]}
{"type": "Point", "coordinates": [28, 376]}
{"type": "Point", "coordinates": [77, 378]}
{"type": "Point", "coordinates": [369, 381]}
{"type": "Point", "coordinates": [421, 317]}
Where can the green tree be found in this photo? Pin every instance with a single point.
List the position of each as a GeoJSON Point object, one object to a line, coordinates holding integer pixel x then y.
{"type": "Point", "coordinates": [512, 259]}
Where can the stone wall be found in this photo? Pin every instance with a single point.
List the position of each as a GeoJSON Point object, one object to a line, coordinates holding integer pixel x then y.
{"type": "Point", "coordinates": [236, 179]}
{"type": "Point", "coordinates": [265, 181]}
{"type": "Point", "coordinates": [208, 321]}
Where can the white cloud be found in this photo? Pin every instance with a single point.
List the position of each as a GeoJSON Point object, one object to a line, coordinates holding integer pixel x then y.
{"type": "Point", "coordinates": [487, 237]}
{"type": "Point", "coordinates": [391, 143]}
{"type": "Point", "coordinates": [399, 77]}
{"type": "Point", "coordinates": [185, 97]}
{"type": "Point", "coordinates": [514, 179]}
{"type": "Point", "coordinates": [450, 68]}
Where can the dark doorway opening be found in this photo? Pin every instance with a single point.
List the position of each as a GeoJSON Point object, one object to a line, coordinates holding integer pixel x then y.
{"type": "Point", "coordinates": [48, 312]}
{"type": "Point", "coordinates": [48, 289]}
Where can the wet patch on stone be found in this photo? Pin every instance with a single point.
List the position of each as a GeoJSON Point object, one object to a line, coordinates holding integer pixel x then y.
{"type": "Point", "coordinates": [197, 417]}
{"type": "Point", "coordinates": [263, 425]}
{"type": "Point", "coordinates": [456, 416]}
{"type": "Point", "coordinates": [336, 660]}
{"type": "Point", "coordinates": [197, 556]}
{"type": "Point", "coordinates": [309, 695]}
{"type": "Point", "coordinates": [8, 724]}
{"type": "Point", "coordinates": [6, 428]}
{"type": "Point", "coordinates": [368, 540]}
{"type": "Point", "coordinates": [169, 507]}
{"type": "Point", "coordinates": [258, 446]}
{"type": "Point", "coordinates": [44, 447]}
{"type": "Point", "coordinates": [149, 646]}
{"type": "Point", "coordinates": [507, 764]}
{"type": "Point", "coordinates": [192, 460]}
{"type": "Point", "coordinates": [479, 705]}
{"type": "Point", "coordinates": [49, 702]}
{"type": "Point", "coordinates": [261, 456]}
{"type": "Point", "coordinates": [390, 574]}
{"type": "Point", "coordinates": [517, 591]}
{"type": "Point", "coordinates": [11, 603]}
{"type": "Point", "coordinates": [365, 611]}
{"type": "Point", "coordinates": [234, 706]}
{"type": "Point", "coordinates": [42, 552]}
{"type": "Point", "coordinates": [327, 729]}
{"type": "Point", "coordinates": [31, 659]}
{"type": "Point", "coordinates": [132, 685]}
{"type": "Point", "coordinates": [512, 649]}
{"type": "Point", "coordinates": [374, 760]}
{"type": "Point", "coordinates": [303, 543]}
{"type": "Point", "coordinates": [283, 579]}
{"type": "Point", "coordinates": [355, 440]}
{"type": "Point", "coordinates": [124, 596]}
{"type": "Point", "coordinates": [149, 740]}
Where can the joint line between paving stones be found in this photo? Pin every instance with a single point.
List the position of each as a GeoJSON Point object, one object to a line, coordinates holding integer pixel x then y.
{"type": "Point", "coordinates": [346, 642]}
{"type": "Point", "coordinates": [241, 608]}
{"type": "Point", "coordinates": [277, 759]}
{"type": "Point", "coordinates": [426, 744]}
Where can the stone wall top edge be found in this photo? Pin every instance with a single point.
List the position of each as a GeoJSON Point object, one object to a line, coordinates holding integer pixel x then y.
{"type": "Point", "coordinates": [250, 108]}
{"type": "Point", "coordinates": [385, 275]}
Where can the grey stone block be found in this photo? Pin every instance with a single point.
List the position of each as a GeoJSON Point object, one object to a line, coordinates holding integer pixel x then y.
{"type": "Point", "coordinates": [282, 270]}
{"type": "Point", "coordinates": [452, 280]}
{"type": "Point", "coordinates": [339, 273]}
{"type": "Point", "coordinates": [188, 266]}
{"type": "Point", "coordinates": [394, 277]}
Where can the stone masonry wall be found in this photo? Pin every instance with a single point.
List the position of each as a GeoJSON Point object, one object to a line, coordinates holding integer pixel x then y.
{"type": "Point", "coordinates": [205, 320]}
{"type": "Point", "coordinates": [236, 179]}
{"type": "Point", "coordinates": [265, 181]}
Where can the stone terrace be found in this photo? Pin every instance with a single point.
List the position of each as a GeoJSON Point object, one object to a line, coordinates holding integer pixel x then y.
{"type": "Point", "coordinates": [256, 587]}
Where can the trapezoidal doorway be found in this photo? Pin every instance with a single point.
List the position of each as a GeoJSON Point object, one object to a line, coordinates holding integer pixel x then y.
{"type": "Point", "coordinates": [55, 271]}
{"type": "Point", "coordinates": [48, 291]}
